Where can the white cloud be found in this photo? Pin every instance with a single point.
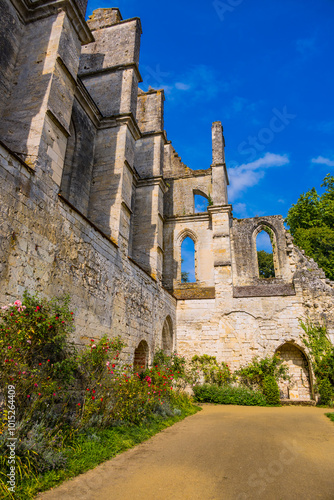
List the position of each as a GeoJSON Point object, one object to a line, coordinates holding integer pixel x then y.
{"type": "Point", "coordinates": [247, 175]}
{"type": "Point", "coordinates": [182, 86]}
{"type": "Point", "coordinates": [199, 83]}
{"type": "Point", "coordinates": [323, 161]}
{"type": "Point", "coordinates": [240, 209]}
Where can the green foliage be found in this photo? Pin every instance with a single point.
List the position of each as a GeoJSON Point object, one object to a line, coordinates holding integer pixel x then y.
{"type": "Point", "coordinates": [322, 358]}
{"type": "Point", "coordinates": [210, 200]}
{"type": "Point", "coordinates": [253, 374]}
{"type": "Point", "coordinates": [270, 390]}
{"type": "Point", "coordinates": [175, 363]}
{"type": "Point", "coordinates": [266, 264]}
{"type": "Point", "coordinates": [61, 392]}
{"type": "Point", "coordinates": [208, 367]}
{"type": "Point", "coordinates": [184, 277]}
{"type": "Point", "coordinates": [330, 416]}
{"type": "Point", "coordinates": [326, 392]}
{"type": "Point", "coordinates": [311, 222]}
{"type": "Point", "coordinates": [227, 395]}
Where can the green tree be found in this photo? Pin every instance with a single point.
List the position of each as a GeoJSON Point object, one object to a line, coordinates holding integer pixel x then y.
{"type": "Point", "coordinates": [311, 223]}
{"type": "Point", "coordinates": [184, 275]}
{"type": "Point", "coordinates": [266, 264]}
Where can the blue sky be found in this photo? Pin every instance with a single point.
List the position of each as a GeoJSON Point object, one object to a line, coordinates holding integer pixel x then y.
{"type": "Point", "coordinates": [265, 70]}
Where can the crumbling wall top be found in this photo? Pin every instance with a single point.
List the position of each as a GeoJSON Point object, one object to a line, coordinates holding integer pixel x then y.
{"type": "Point", "coordinates": [103, 18]}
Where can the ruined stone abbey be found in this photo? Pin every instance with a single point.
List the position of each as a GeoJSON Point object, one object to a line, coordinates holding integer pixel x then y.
{"type": "Point", "coordinates": [95, 202]}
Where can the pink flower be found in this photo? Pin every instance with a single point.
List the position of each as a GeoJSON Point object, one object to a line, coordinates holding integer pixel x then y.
{"type": "Point", "coordinates": [54, 393]}
{"type": "Point", "coordinates": [36, 385]}
{"type": "Point", "coordinates": [28, 341]}
{"type": "Point", "coordinates": [28, 396]}
{"type": "Point", "coordinates": [107, 363]}
{"type": "Point", "coordinates": [18, 303]}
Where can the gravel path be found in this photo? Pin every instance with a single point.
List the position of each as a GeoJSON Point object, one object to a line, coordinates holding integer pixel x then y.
{"type": "Point", "coordinates": [221, 453]}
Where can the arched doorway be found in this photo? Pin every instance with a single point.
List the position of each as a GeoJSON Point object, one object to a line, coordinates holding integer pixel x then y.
{"type": "Point", "coordinates": [140, 360]}
{"type": "Point", "coordinates": [299, 387]}
{"type": "Point", "coordinates": [167, 336]}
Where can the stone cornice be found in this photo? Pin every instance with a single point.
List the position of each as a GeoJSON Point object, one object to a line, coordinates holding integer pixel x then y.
{"type": "Point", "coordinates": [216, 209]}
{"type": "Point", "coordinates": [31, 11]}
{"type": "Point", "coordinates": [121, 119]}
{"type": "Point", "coordinates": [161, 133]}
{"type": "Point", "coordinates": [154, 181]}
{"type": "Point", "coordinates": [187, 218]}
{"type": "Point", "coordinates": [113, 69]}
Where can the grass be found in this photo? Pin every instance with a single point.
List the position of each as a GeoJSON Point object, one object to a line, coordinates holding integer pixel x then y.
{"type": "Point", "coordinates": [330, 416]}
{"type": "Point", "coordinates": [94, 447]}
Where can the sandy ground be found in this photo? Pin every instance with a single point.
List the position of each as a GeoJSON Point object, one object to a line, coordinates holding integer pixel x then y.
{"type": "Point", "coordinates": [222, 452]}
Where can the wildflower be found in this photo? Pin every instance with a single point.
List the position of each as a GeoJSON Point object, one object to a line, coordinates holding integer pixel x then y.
{"type": "Point", "coordinates": [39, 394]}
{"type": "Point", "coordinates": [28, 396]}
{"type": "Point", "coordinates": [107, 363]}
{"type": "Point", "coordinates": [18, 303]}
{"type": "Point", "coordinates": [79, 404]}
{"type": "Point", "coordinates": [93, 397]}
{"type": "Point", "coordinates": [94, 391]}
{"type": "Point", "coordinates": [54, 393]}
{"type": "Point", "coordinates": [28, 341]}
{"type": "Point", "coordinates": [101, 399]}
{"type": "Point", "coordinates": [36, 385]}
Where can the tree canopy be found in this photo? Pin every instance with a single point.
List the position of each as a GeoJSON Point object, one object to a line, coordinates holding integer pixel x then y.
{"type": "Point", "coordinates": [266, 264]}
{"type": "Point", "coordinates": [311, 223]}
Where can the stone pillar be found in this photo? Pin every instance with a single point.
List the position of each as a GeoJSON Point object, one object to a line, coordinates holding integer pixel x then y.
{"type": "Point", "coordinates": [36, 122]}
{"type": "Point", "coordinates": [219, 172]}
{"type": "Point", "coordinates": [222, 249]}
{"type": "Point", "coordinates": [147, 247]}
{"type": "Point", "coordinates": [109, 70]}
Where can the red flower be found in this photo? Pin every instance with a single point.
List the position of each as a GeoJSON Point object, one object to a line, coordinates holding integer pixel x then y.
{"type": "Point", "coordinates": [93, 397]}
{"type": "Point", "coordinates": [93, 391]}
{"type": "Point", "coordinates": [101, 399]}
{"type": "Point", "coordinates": [40, 364]}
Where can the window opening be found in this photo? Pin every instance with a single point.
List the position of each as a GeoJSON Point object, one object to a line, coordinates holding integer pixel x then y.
{"type": "Point", "coordinates": [200, 203]}
{"type": "Point", "coordinates": [265, 258]}
{"type": "Point", "coordinates": [188, 261]}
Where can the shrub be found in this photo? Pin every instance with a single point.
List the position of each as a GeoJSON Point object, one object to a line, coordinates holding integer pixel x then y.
{"type": "Point", "coordinates": [253, 374]}
{"type": "Point", "coordinates": [211, 371]}
{"type": "Point", "coordinates": [322, 357]}
{"type": "Point", "coordinates": [326, 392]}
{"type": "Point", "coordinates": [228, 395]}
{"type": "Point", "coordinates": [270, 390]}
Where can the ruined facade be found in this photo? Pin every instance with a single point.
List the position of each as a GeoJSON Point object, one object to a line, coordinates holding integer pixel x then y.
{"type": "Point", "coordinates": [95, 202]}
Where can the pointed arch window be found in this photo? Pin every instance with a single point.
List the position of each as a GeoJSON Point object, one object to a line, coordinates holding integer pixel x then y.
{"type": "Point", "coordinates": [266, 252]}
{"type": "Point", "coordinates": [188, 260]}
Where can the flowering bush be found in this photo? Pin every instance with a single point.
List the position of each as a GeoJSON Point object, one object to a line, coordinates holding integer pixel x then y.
{"type": "Point", "coordinates": [60, 391]}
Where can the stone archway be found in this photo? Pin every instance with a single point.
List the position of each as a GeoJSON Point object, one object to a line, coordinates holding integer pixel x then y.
{"type": "Point", "coordinates": [300, 386]}
{"type": "Point", "coordinates": [141, 356]}
{"type": "Point", "coordinates": [167, 336]}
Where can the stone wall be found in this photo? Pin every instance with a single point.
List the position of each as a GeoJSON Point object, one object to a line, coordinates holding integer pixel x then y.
{"type": "Point", "coordinates": [49, 247]}
{"type": "Point", "coordinates": [96, 202]}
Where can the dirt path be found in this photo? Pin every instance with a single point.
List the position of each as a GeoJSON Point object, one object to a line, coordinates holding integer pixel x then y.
{"type": "Point", "coordinates": [225, 453]}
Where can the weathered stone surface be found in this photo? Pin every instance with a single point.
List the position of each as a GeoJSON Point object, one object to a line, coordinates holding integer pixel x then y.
{"type": "Point", "coordinates": [102, 203]}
